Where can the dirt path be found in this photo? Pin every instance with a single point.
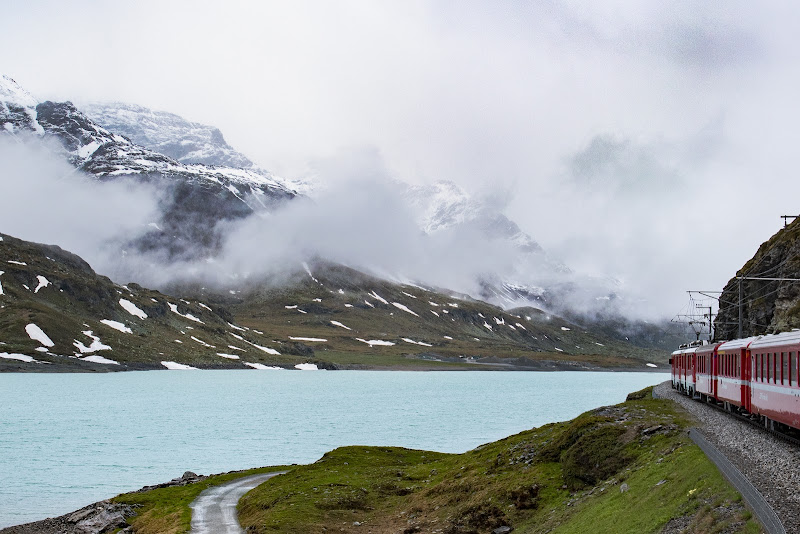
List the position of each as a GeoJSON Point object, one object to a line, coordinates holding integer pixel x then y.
{"type": "Point", "coordinates": [214, 510]}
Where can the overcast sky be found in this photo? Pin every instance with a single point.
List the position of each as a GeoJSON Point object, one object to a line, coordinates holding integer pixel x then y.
{"type": "Point", "coordinates": [650, 141]}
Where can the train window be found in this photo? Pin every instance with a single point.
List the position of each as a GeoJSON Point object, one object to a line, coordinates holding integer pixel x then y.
{"type": "Point", "coordinates": [791, 367]}
{"type": "Point", "coordinates": [785, 370]}
{"type": "Point", "coordinates": [769, 367]}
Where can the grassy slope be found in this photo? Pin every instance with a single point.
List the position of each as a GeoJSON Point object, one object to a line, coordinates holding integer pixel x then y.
{"type": "Point", "coordinates": [564, 477]}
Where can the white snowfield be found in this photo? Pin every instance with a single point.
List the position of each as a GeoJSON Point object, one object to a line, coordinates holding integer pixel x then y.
{"type": "Point", "coordinates": [37, 334]}
{"type": "Point", "coordinates": [262, 367]}
{"type": "Point", "coordinates": [175, 366]}
{"type": "Point", "coordinates": [307, 367]}
{"type": "Point", "coordinates": [307, 339]}
{"type": "Point", "coordinates": [116, 325]}
{"type": "Point", "coordinates": [340, 325]}
{"type": "Point", "coordinates": [43, 283]}
{"type": "Point", "coordinates": [132, 308]}
{"type": "Point", "coordinates": [99, 359]}
{"type": "Point", "coordinates": [376, 342]}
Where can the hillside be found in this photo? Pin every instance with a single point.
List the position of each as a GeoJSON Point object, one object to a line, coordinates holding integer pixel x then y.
{"type": "Point", "coordinates": [624, 468]}
{"type": "Point", "coordinates": [769, 306]}
{"type": "Point", "coordinates": [58, 314]}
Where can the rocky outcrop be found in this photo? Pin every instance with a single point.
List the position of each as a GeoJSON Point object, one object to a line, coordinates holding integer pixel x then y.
{"type": "Point", "coordinates": [97, 518]}
{"type": "Point", "coordinates": [768, 305]}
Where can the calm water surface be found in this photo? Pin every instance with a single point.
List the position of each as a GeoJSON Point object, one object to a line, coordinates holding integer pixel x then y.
{"type": "Point", "coordinates": [67, 440]}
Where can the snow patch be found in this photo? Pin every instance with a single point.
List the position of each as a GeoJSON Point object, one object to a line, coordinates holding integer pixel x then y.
{"type": "Point", "coordinates": [407, 340]}
{"type": "Point", "coordinates": [378, 297]}
{"type": "Point", "coordinates": [348, 305]}
{"type": "Point", "coordinates": [1, 285]}
{"type": "Point", "coordinates": [487, 325]}
{"type": "Point", "coordinates": [132, 308]}
{"type": "Point", "coordinates": [20, 357]}
{"type": "Point", "coordinates": [404, 308]}
{"type": "Point", "coordinates": [520, 326]}
{"type": "Point", "coordinates": [262, 367]}
{"type": "Point", "coordinates": [368, 303]}
{"type": "Point", "coordinates": [228, 356]}
{"type": "Point", "coordinates": [175, 366]}
{"type": "Point", "coordinates": [307, 339]}
{"type": "Point", "coordinates": [17, 262]}
{"type": "Point", "coordinates": [237, 327]}
{"type": "Point", "coordinates": [307, 367]}
{"type": "Point", "coordinates": [373, 342]}
{"type": "Point", "coordinates": [448, 337]}
{"type": "Point", "coordinates": [204, 306]}
{"type": "Point", "coordinates": [95, 345]}
{"type": "Point", "coordinates": [565, 329]}
{"type": "Point", "coordinates": [43, 283]}
{"type": "Point", "coordinates": [408, 295]}
{"type": "Point", "coordinates": [99, 359]}
{"type": "Point", "coordinates": [651, 365]}
{"type": "Point", "coordinates": [559, 350]}
{"type": "Point", "coordinates": [37, 334]}
{"type": "Point", "coordinates": [433, 312]}
{"type": "Point", "coordinates": [174, 308]}
{"type": "Point", "coordinates": [117, 326]}
{"type": "Point", "coordinates": [203, 342]}
{"type": "Point", "coordinates": [340, 325]}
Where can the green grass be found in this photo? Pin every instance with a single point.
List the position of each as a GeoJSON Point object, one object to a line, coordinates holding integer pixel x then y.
{"type": "Point", "coordinates": [625, 468]}
{"type": "Point", "coordinates": [563, 477]}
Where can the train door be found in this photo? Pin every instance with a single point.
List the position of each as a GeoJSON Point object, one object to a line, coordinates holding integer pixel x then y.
{"type": "Point", "coordinates": [694, 374]}
{"type": "Point", "coordinates": [747, 373]}
{"type": "Point", "coordinates": [714, 373]}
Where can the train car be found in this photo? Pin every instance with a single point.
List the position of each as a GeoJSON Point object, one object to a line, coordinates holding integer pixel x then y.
{"type": "Point", "coordinates": [775, 379]}
{"type": "Point", "coordinates": [705, 361]}
{"type": "Point", "coordinates": [683, 374]}
{"type": "Point", "coordinates": [732, 373]}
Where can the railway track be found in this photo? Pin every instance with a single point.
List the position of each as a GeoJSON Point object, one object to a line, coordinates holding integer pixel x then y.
{"type": "Point", "coordinates": [747, 418]}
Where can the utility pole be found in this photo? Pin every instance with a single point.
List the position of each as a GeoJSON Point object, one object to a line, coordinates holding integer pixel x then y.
{"type": "Point", "coordinates": [740, 336]}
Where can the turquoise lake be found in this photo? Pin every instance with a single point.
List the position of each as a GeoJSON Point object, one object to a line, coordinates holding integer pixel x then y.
{"type": "Point", "coordinates": [67, 440]}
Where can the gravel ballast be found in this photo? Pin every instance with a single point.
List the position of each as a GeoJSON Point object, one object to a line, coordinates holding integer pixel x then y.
{"type": "Point", "coordinates": [771, 465]}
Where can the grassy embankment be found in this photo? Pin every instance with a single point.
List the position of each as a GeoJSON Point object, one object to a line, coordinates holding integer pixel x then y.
{"type": "Point", "coordinates": [627, 468]}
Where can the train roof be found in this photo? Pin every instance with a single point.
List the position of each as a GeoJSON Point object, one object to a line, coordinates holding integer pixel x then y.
{"type": "Point", "coordinates": [738, 344]}
{"type": "Point", "coordinates": [777, 340]}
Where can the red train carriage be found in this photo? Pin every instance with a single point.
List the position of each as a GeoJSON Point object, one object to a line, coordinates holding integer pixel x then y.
{"type": "Point", "coordinates": [775, 379]}
{"type": "Point", "coordinates": [705, 360]}
{"type": "Point", "coordinates": [732, 373]}
{"type": "Point", "coordinates": [683, 375]}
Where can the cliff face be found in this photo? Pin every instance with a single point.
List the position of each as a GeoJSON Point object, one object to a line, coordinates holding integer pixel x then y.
{"type": "Point", "coordinates": [768, 306]}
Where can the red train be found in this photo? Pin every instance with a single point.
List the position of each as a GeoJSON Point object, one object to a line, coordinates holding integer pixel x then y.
{"type": "Point", "coordinates": [758, 375]}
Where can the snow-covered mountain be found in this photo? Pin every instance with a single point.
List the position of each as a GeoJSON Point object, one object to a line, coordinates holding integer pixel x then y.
{"type": "Point", "coordinates": [169, 134]}
{"type": "Point", "coordinates": [198, 196]}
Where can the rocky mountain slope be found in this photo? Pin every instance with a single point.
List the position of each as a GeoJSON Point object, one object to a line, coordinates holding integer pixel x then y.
{"type": "Point", "coordinates": [56, 314]}
{"type": "Point", "coordinates": [768, 306]}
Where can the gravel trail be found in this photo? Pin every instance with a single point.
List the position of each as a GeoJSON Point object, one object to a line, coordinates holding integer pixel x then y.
{"type": "Point", "coordinates": [771, 465]}
{"type": "Point", "coordinates": [214, 510]}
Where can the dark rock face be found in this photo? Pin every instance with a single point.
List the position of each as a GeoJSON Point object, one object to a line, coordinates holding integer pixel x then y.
{"type": "Point", "coordinates": [768, 306]}
{"type": "Point", "coordinates": [97, 518]}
